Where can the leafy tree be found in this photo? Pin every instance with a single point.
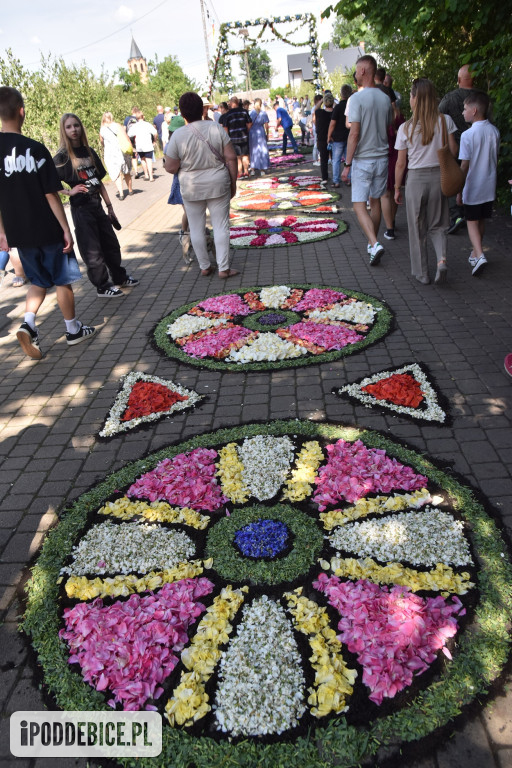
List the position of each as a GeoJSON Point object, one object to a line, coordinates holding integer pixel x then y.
{"type": "Point", "coordinates": [349, 32]}
{"type": "Point", "coordinates": [260, 67]}
{"type": "Point", "coordinates": [440, 34]}
{"type": "Point", "coordinates": [168, 81]}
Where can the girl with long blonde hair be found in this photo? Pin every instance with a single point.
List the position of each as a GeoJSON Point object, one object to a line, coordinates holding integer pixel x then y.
{"type": "Point", "coordinates": [417, 143]}
{"type": "Point", "coordinates": [81, 169]}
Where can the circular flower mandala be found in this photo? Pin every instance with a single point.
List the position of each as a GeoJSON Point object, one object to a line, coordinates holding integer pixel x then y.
{"type": "Point", "coordinates": [278, 326]}
{"type": "Point", "coordinates": [285, 230]}
{"type": "Point", "coordinates": [280, 182]}
{"type": "Point", "coordinates": [323, 572]}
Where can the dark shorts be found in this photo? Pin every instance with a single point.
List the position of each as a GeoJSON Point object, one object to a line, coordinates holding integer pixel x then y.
{"type": "Point", "coordinates": [478, 212]}
{"type": "Point", "coordinates": [145, 154]}
{"type": "Point", "coordinates": [47, 265]}
{"type": "Point", "coordinates": [241, 150]}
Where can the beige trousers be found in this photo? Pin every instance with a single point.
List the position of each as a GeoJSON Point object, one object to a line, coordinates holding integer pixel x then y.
{"type": "Point", "coordinates": [219, 216]}
{"type": "Point", "coordinates": [427, 214]}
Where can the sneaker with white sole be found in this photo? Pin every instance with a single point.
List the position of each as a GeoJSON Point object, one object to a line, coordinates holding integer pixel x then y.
{"type": "Point", "coordinates": [368, 249]}
{"type": "Point", "coordinates": [130, 282]}
{"type": "Point", "coordinates": [112, 292]}
{"type": "Point", "coordinates": [480, 263]}
{"type": "Point", "coordinates": [85, 332]}
{"type": "Point", "coordinates": [29, 341]}
{"type": "Point", "coordinates": [472, 259]}
{"type": "Point", "coordinates": [376, 253]}
{"type": "Point", "coordinates": [389, 234]}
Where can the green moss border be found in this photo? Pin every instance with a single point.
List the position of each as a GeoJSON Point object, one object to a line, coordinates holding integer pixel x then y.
{"type": "Point", "coordinates": [233, 566]}
{"type": "Point", "coordinates": [478, 659]}
{"type": "Point", "coordinates": [382, 326]}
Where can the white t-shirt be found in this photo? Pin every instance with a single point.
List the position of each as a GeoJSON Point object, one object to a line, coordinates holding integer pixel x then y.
{"type": "Point", "coordinates": [419, 156]}
{"type": "Point", "coordinates": [371, 107]}
{"type": "Point", "coordinates": [480, 145]}
{"type": "Point", "coordinates": [202, 174]}
{"type": "Point", "coordinates": [143, 132]}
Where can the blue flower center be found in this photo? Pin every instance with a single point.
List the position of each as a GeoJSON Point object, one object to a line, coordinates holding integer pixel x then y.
{"type": "Point", "coordinates": [272, 319]}
{"type": "Point", "coordinates": [275, 229]}
{"type": "Point", "coordinates": [263, 538]}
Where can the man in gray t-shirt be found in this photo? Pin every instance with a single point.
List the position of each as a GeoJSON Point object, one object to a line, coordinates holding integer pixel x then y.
{"type": "Point", "coordinates": [369, 115]}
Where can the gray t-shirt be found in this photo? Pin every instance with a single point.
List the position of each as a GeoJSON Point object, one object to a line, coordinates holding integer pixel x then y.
{"type": "Point", "coordinates": [372, 109]}
{"type": "Point", "coordinates": [202, 173]}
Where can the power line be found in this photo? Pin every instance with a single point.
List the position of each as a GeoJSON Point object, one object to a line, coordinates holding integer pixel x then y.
{"type": "Point", "coordinates": [121, 29]}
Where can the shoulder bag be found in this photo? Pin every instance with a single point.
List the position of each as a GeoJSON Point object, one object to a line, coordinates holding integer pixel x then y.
{"type": "Point", "coordinates": [452, 179]}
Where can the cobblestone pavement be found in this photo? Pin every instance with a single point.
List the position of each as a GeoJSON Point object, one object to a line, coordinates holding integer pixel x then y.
{"type": "Point", "coordinates": [52, 409]}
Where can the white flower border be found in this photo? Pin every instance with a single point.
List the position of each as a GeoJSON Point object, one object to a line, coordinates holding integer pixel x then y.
{"type": "Point", "coordinates": [433, 411]}
{"type": "Point", "coordinates": [113, 424]}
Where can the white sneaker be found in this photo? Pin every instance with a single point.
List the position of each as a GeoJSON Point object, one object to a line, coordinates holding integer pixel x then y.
{"type": "Point", "coordinates": [368, 249]}
{"type": "Point", "coordinates": [472, 259]}
{"type": "Point", "coordinates": [376, 254]}
{"type": "Point", "coordinates": [481, 262]}
{"type": "Point", "coordinates": [317, 163]}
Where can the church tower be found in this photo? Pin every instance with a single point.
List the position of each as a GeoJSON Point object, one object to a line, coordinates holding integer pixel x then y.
{"type": "Point", "coordinates": [137, 62]}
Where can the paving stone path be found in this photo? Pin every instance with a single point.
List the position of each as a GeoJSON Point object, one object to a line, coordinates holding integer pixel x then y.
{"type": "Point", "coordinates": [52, 409]}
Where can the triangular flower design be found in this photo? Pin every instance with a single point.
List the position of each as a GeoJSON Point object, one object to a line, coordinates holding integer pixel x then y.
{"type": "Point", "coordinates": [143, 399]}
{"type": "Point", "coordinates": [405, 390]}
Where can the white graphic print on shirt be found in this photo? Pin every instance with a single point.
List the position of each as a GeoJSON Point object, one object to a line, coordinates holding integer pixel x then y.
{"type": "Point", "coordinates": [17, 164]}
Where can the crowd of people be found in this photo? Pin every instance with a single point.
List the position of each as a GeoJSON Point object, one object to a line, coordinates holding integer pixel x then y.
{"type": "Point", "coordinates": [386, 161]}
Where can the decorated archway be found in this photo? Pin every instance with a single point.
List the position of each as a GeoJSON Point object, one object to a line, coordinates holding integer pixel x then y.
{"type": "Point", "coordinates": [300, 20]}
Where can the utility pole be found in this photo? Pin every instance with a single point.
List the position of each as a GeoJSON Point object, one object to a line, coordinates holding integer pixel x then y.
{"type": "Point", "coordinates": [248, 85]}
{"type": "Point", "coordinates": [205, 39]}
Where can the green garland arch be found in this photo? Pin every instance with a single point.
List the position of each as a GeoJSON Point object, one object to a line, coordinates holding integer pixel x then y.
{"type": "Point", "coordinates": [233, 27]}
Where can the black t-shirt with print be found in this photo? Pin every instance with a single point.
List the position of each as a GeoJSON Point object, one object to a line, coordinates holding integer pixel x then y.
{"type": "Point", "coordinates": [340, 132]}
{"type": "Point", "coordinates": [27, 175]}
{"type": "Point", "coordinates": [89, 172]}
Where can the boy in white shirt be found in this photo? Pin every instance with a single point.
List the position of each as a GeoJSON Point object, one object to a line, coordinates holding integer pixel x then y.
{"type": "Point", "coordinates": [478, 154]}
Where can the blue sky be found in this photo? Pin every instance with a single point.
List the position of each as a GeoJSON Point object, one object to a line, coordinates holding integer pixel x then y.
{"type": "Point", "coordinates": [98, 32]}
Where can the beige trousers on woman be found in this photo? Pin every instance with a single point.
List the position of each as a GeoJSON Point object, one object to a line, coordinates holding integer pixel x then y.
{"type": "Point", "coordinates": [427, 214]}
{"type": "Point", "coordinates": [219, 216]}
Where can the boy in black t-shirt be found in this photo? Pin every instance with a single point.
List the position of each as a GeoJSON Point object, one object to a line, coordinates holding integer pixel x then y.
{"type": "Point", "coordinates": [33, 220]}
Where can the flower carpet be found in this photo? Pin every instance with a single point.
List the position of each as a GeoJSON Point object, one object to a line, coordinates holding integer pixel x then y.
{"type": "Point", "coordinates": [279, 231]}
{"type": "Point", "coordinates": [280, 199]}
{"type": "Point", "coordinates": [284, 161]}
{"type": "Point", "coordinates": [295, 593]}
{"type": "Point", "coordinates": [280, 183]}
{"type": "Point", "coordinates": [144, 399]}
{"type": "Point", "coordinates": [279, 326]}
{"type": "Point", "coordinates": [406, 390]}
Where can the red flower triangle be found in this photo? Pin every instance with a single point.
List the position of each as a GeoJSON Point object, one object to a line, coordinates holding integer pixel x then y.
{"type": "Point", "coordinates": [400, 388]}
{"type": "Point", "coordinates": [149, 397]}
{"type": "Point", "coordinates": [406, 390]}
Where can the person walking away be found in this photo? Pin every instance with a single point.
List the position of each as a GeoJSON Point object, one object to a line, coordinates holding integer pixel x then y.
{"type": "Point", "coordinates": [145, 136]}
{"type": "Point", "coordinates": [81, 169]}
{"type": "Point", "coordinates": [284, 120]}
{"type": "Point", "coordinates": [32, 219]}
{"type": "Point", "coordinates": [417, 143]}
{"type": "Point", "coordinates": [117, 162]}
{"type": "Point", "coordinates": [479, 147]}
{"type": "Point", "coordinates": [203, 155]}
{"type": "Point", "coordinates": [389, 207]}
{"type": "Point", "coordinates": [237, 124]}
{"type": "Point", "coordinates": [337, 134]}
{"type": "Point", "coordinates": [369, 116]}
{"type": "Point", "coordinates": [158, 121]}
{"type": "Point", "coordinates": [452, 104]}
{"type": "Point", "coordinates": [322, 120]}
{"type": "Point", "coordinates": [258, 137]}
{"type": "Point", "coordinates": [131, 120]}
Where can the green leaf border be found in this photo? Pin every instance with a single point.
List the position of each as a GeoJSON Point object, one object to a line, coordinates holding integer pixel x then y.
{"type": "Point", "coordinates": [478, 659]}
{"type": "Point", "coordinates": [382, 326]}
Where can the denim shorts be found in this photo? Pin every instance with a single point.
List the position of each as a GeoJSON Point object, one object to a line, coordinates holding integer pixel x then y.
{"type": "Point", "coordinates": [369, 179]}
{"type": "Point", "coordinates": [47, 265]}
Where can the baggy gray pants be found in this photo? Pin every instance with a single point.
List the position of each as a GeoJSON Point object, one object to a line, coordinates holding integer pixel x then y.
{"type": "Point", "coordinates": [427, 214]}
